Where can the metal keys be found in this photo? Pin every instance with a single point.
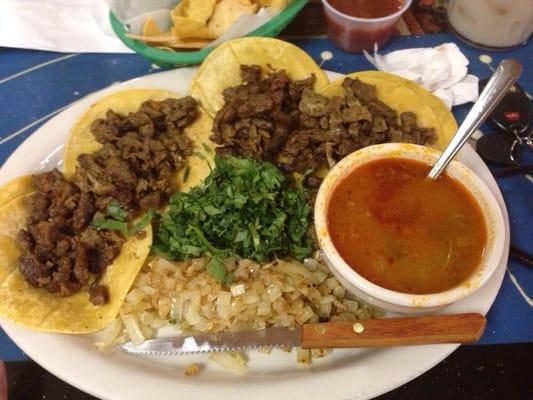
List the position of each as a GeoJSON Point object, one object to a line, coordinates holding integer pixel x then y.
{"type": "Point", "coordinates": [511, 120]}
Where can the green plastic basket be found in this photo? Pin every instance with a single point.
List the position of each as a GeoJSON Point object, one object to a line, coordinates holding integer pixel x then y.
{"type": "Point", "coordinates": [169, 59]}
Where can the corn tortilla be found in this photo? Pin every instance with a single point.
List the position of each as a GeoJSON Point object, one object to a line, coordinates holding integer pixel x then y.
{"type": "Point", "coordinates": [405, 95]}
{"type": "Point", "coordinates": [15, 188]}
{"type": "Point", "coordinates": [38, 309]}
{"type": "Point", "coordinates": [221, 69]}
{"type": "Point", "coordinates": [81, 140]}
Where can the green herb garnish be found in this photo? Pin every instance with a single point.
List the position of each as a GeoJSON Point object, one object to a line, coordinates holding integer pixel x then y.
{"type": "Point", "coordinates": [100, 222]}
{"type": "Point", "coordinates": [199, 155]}
{"type": "Point", "coordinates": [217, 268]}
{"type": "Point", "coordinates": [245, 208]}
{"type": "Point", "coordinates": [115, 211]}
{"type": "Point", "coordinates": [127, 229]}
{"type": "Point", "coordinates": [142, 222]}
{"type": "Point", "coordinates": [206, 147]}
{"type": "Point", "coordinates": [186, 173]}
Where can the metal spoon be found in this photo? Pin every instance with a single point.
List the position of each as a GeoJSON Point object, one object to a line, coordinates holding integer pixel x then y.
{"type": "Point", "coordinates": [505, 75]}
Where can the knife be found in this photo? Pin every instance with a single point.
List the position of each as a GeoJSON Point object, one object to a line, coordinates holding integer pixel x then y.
{"type": "Point", "coordinates": [431, 329]}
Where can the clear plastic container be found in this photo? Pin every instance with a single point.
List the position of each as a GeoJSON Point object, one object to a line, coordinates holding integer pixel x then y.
{"type": "Point", "coordinates": [495, 24]}
{"type": "Point", "coordinates": [356, 34]}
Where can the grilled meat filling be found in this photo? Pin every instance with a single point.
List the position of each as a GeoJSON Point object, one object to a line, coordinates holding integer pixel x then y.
{"type": "Point", "coordinates": [286, 122]}
{"type": "Point", "coordinates": [140, 155]}
{"type": "Point", "coordinates": [60, 250]}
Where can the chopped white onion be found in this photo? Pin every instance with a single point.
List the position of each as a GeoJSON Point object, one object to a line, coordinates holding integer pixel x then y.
{"type": "Point", "coordinates": [281, 293]}
{"type": "Point", "coordinates": [231, 362]}
{"type": "Point", "coordinates": [237, 289]}
{"type": "Point", "coordinates": [134, 332]}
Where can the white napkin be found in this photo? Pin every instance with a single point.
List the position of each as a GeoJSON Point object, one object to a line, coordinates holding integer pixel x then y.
{"type": "Point", "coordinates": [443, 70]}
{"type": "Point", "coordinates": [58, 25]}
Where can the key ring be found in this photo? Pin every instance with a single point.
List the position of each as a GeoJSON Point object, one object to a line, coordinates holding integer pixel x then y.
{"type": "Point", "coordinates": [520, 140]}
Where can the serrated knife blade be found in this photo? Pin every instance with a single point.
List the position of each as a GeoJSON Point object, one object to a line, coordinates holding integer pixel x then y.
{"type": "Point", "coordinates": [427, 329]}
{"type": "Point", "coordinates": [214, 342]}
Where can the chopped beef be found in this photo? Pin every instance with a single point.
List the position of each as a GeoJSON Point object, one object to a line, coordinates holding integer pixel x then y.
{"type": "Point", "coordinates": [59, 250]}
{"type": "Point", "coordinates": [140, 155]}
{"type": "Point", "coordinates": [98, 294]}
{"type": "Point", "coordinates": [286, 122]}
{"type": "Point", "coordinates": [258, 116]}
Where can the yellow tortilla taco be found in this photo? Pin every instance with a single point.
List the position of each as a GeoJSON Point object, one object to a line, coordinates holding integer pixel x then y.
{"type": "Point", "coordinates": [15, 188]}
{"type": "Point", "coordinates": [38, 309]}
{"type": "Point", "coordinates": [404, 95]}
{"type": "Point", "coordinates": [221, 69]}
{"type": "Point", "coordinates": [72, 244]}
{"type": "Point", "coordinates": [82, 141]}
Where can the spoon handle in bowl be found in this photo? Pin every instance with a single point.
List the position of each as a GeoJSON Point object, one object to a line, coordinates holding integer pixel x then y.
{"type": "Point", "coordinates": [505, 75]}
{"type": "Point", "coordinates": [428, 329]}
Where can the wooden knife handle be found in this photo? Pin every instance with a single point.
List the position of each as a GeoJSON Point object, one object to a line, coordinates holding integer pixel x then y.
{"type": "Point", "coordinates": [429, 329]}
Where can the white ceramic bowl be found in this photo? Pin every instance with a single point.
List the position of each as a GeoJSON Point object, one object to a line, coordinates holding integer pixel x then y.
{"type": "Point", "coordinates": [389, 299]}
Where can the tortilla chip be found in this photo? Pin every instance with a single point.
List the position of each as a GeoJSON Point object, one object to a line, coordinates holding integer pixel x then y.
{"type": "Point", "coordinates": [170, 41]}
{"type": "Point", "coordinates": [221, 69]}
{"type": "Point", "coordinates": [191, 43]}
{"type": "Point", "coordinates": [44, 311]}
{"type": "Point", "coordinates": [81, 140]}
{"type": "Point", "coordinates": [227, 12]}
{"type": "Point", "coordinates": [277, 5]}
{"type": "Point", "coordinates": [200, 10]}
{"type": "Point", "coordinates": [150, 28]}
{"type": "Point", "coordinates": [185, 28]}
{"type": "Point", "coordinates": [15, 188]}
{"type": "Point", "coordinates": [161, 38]}
{"type": "Point", "coordinates": [405, 95]}
{"type": "Point", "coordinates": [189, 19]}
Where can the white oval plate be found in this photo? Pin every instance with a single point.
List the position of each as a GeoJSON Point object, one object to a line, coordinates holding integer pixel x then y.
{"type": "Point", "coordinates": [345, 374]}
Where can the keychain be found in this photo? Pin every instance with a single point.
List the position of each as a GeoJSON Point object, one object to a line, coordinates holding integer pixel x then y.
{"type": "Point", "coordinates": [511, 120]}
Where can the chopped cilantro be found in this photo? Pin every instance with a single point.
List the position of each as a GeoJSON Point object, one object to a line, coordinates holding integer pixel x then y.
{"type": "Point", "coordinates": [142, 222]}
{"type": "Point", "coordinates": [100, 222]}
{"type": "Point", "coordinates": [206, 147]}
{"type": "Point", "coordinates": [186, 173]}
{"type": "Point", "coordinates": [115, 210]}
{"type": "Point", "coordinates": [245, 208]}
{"type": "Point", "coordinates": [199, 155]}
{"type": "Point", "coordinates": [127, 229]}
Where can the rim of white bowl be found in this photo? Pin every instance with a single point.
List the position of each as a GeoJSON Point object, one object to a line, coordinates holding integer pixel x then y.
{"type": "Point", "coordinates": [397, 14]}
{"type": "Point", "coordinates": [479, 190]}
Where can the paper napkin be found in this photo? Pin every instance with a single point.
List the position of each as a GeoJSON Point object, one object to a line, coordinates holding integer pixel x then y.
{"type": "Point", "coordinates": [443, 70]}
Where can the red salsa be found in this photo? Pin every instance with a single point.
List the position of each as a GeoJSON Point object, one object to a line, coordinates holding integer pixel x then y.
{"type": "Point", "coordinates": [367, 8]}
{"type": "Point", "coordinates": [357, 35]}
{"type": "Point", "coordinates": [404, 232]}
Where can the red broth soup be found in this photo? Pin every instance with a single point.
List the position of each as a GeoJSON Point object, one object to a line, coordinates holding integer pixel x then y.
{"type": "Point", "coordinates": [404, 232]}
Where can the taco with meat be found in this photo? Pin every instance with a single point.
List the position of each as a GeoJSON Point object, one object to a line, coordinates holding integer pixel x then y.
{"type": "Point", "coordinates": [406, 98]}
{"type": "Point", "coordinates": [49, 277]}
{"type": "Point", "coordinates": [137, 145]}
{"type": "Point", "coordinates": [73, 242]}
{"type": "Point", "coordinates": [222, 68]}
{"type": "Point", "coordinates": [272, 102]}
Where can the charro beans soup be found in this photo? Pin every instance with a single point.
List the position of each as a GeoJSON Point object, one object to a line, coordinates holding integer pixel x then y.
{"type": "Point", "coordinates": [404, 232]}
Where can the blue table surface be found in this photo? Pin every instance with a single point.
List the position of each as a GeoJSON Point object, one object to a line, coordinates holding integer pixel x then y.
{"type": "Point", "coordinates": [36, 85]}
